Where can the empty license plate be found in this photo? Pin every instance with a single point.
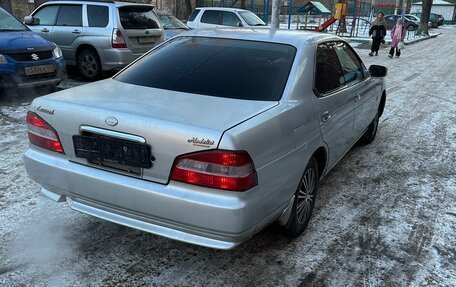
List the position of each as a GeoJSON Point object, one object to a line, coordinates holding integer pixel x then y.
{"type": "Point", "coordinates": [111, 150]}
{"type": "Point", "coordinates": [146, 40]}
{"type": "Point", "coordinates": [37, 70]}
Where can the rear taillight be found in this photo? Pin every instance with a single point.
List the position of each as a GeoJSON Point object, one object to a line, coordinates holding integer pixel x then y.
{"type": "Point", "coordinates": [118, 40]}
{"type": "Point", "coordinates": [221, 169]}
{"type": "Point", "coordinates": [42, 134]}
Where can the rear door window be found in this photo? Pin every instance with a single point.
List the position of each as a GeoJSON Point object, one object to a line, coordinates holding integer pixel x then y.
{"type": "Point", "coordinates": [97, 15]}
{"type": "Point", "coordinates": [138, 17]}
{"type": "Point", "coordinates": [230, 19]}
{"type": "Point", "coordinates": [211, 17]}
{"type": "Point", "coordinates": [328, 72]}
{"type": "Point", "coordinates": [70, 15]}
{"type": "Point", "coordinates": [47, 15]}
{"type": "Point", "coordinates": [227, 68]}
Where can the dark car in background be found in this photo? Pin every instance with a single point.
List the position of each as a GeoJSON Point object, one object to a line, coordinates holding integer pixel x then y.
{"type": "Point", "coordinates": [171, 24]}
{"type": "Point", "coordinates": [26, 58]}
{"type": "Point", "coordinates": [435, 19]}
{"type": "Point", "coordinates": [410, 23]}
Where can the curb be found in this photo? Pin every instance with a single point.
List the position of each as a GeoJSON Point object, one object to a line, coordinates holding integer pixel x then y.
{"type": "Point", "coordinates": [388, 42]}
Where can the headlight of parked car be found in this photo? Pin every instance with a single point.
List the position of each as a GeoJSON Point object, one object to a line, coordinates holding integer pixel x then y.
{"type": "Point", "coordinates": [3, 59]}
{"type": "Point", "coordinates": [57, 53]}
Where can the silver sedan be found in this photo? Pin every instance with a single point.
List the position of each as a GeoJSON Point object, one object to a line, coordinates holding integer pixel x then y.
{"type": "Point", "coordinates": [209, 137]}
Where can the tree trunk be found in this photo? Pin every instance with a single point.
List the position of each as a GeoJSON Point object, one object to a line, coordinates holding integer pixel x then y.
{"type": "Point", "coordinates": [243, 5]}
{"type": "Point", "coordinates": [426, 8]}
{"type": "Point", "coordinates": [188, 8]}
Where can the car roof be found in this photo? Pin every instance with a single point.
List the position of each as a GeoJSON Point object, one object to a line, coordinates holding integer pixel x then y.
{"type": "Point", "coordinates": [291, 37]}
{"type": "Point", "coordinates": [220, 9]}
{"type": "Point", "coordinates": [118, 4]}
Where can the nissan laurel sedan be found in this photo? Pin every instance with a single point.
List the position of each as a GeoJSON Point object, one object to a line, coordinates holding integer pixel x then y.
{"type": "Point", "coordinates": [210, 136]}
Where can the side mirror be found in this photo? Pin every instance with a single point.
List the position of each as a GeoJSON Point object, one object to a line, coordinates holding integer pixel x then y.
{"type": "Point", "coordinates": [378, 71]}
{"type": "Point", "coordinates": [239, 24]}
{"type": "Point", "coordinates": [29, 20]}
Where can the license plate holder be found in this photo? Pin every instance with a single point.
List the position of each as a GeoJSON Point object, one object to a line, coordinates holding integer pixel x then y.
{"type": "Point", "coordinates": [113, 151]}
{"type": "Point", "coordinates": [38, 70]}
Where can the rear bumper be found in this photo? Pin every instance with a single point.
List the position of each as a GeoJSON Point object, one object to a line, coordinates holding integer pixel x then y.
{"type": "Point", "coordinates": [115, 59]}
{"type": "Point", "coordinates": [178, 211]}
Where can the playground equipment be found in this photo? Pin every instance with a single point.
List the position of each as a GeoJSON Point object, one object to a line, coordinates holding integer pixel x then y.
{"type": "Point", "coordinates": [314, 8]}
{"type": "Point", "coordinates": [341, 9]}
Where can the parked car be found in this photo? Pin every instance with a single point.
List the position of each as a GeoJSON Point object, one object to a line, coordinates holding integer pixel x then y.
{"type": "Point", "coordinates": [98, 36]}
{"type": "Point", "coordinates": [26, 58]}
{"type": "Point", "coordinates": [213, 17]}
{"type": "Point", "coordinates": [171, 24]}
{"type": "Point", "coordinates": [209, 137]}
{"type": "Point", "coordinates": [410, 23]}
{"type": "Point", "coordinates": [436, 20]}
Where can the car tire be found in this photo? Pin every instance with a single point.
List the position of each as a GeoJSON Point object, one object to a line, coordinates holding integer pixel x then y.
{"type": "Point", "coordinates": [369, 135]}
{"type": "Point", "coordinates": [89, 65]}
{"type": "Point", "coordinates": [411, 28]}
{"type": "Point", "coordinates": [304, 200]}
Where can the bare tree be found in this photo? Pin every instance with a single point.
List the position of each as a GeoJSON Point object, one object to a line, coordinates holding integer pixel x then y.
{"type": "Point", "coordinates": [188, 8]}
{"type": "Point", "coordinates": [426, 11]}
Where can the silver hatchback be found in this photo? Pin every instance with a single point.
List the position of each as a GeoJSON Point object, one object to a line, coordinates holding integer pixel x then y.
{"type": "Point", "coordinates": [209, 137]}
{"type": "Point", "coordinates": [98, 36]}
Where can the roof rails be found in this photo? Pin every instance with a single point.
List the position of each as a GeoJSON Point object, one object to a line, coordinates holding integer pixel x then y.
{"type": "Point", "coordinates": [103, 1]}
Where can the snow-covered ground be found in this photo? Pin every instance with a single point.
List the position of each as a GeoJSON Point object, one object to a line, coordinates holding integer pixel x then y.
{"type": "Point", "coordinates": [385, 216]}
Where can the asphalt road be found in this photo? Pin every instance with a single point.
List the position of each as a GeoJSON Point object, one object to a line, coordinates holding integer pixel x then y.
{"type": "Point", "coordinates": [385, 216]}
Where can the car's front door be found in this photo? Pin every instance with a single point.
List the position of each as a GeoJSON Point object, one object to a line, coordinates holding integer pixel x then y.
{"type": "Point", "coordinates": [364, 90]}
{"type": "Point", "coordinates": [67, 28]}
{"type": "Point", "coordinates": [46, 17]}
{"type": "Point", "coordinates": [334, 103]}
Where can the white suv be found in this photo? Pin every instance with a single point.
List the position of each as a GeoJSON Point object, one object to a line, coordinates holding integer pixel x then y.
{"type": "Point", "coordinates": [98, 36]}
{"type": "Point", "coordinates": [213, 17]}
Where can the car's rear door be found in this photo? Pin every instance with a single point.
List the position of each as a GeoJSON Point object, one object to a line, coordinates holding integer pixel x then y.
{"type": "Point", "coordinates": [210, 19]}
{"type": "Point", "coordinates": [334, 103]}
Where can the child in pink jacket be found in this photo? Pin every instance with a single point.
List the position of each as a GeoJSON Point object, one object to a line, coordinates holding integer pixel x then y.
{"type": "Point", "coordinates": [397, 35]}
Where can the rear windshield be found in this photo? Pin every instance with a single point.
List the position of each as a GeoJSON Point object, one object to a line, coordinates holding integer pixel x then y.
{"type": "Point", "coordinates": [138, 17]}
{"type": "Point", "coordinates": [225, 68]}
{"type": "Point", "coordinates": [9, 23]}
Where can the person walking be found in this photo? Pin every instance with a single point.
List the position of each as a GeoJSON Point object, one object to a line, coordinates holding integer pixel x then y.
{"type": "Point", "coordinates": [378, 33]}
{"type": "Point", "coordinates": [397, 36]}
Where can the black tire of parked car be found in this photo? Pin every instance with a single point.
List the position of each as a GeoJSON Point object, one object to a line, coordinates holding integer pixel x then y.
{"type": "Point", "coordinates": [411, 27]}
{"type": "Point", "coordinates": [304, 201]}
{"type": "Point", "coordinates": [89, 65]}
{"type": "Point", "coordinates": [369, 135]}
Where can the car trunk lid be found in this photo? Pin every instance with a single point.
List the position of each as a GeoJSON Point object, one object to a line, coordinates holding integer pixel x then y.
{"type": "Point", "coordinates": [141, 28]}
{"type": "Point", "coordinates": [171, 123]}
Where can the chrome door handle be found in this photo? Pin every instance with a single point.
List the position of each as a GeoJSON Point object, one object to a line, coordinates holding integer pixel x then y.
{"type": "Point", "coordinates": [357, 98]}
{"type": "Point", "coordinates": [325, 116]}
{"type": "Point", "coordinates": [45, 30]}
{"type": "Point", "coordinates": [76, 32]}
